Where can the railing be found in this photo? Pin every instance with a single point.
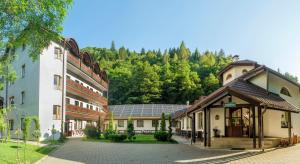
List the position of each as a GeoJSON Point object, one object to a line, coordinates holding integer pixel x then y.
{"type": "Point", "coordinates": [87, 70]}
{"type": "Point", "coordinates": [84, 92]}
{"type": "Point", "coordinates": [82, 113]}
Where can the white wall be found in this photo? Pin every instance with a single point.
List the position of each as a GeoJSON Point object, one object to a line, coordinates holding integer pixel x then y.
{"type": "Point", "coordinates": [147, 125]}
{"type": "Point", "coordinates": [236, 72]}
{"type": "Point", "coordinates": [28, 84]}
{"type": "Point", "coordinates": [49, 96]}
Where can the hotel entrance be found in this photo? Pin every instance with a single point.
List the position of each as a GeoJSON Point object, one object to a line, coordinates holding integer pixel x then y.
{"type": "Point", "coordinates": [237, 122]}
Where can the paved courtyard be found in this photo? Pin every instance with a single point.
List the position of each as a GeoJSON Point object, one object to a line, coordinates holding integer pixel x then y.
{"type": "Point", "coordinates": [77, 151]}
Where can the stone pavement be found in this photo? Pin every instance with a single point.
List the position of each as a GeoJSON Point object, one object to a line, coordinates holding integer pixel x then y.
{"type": "Point", "coordinates": [77, 151]}
{"type": "Point", "coordinates": [290, 155]}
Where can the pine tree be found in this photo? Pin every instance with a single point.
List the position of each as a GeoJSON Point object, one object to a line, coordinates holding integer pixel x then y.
{"type": "Point", "coordinates": [163, 122]}
{"type": "Point", "coordinates": [130, 129]}
{"type": "Point", "coordinates": [183, 52]}
{"type": "Point", "coordinates": [113, 47]}
{"type": "Point", "coordinates": [170, 127]}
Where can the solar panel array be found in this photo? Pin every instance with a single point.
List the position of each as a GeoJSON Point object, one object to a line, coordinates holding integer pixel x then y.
{"type": "Point", "coordinates": [144, 110]}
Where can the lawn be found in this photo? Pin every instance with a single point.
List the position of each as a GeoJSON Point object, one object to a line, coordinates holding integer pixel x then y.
{"type": "Point", "coordinates": [140, 138]}
{"type": "Point", "coordinates": [8, 152]}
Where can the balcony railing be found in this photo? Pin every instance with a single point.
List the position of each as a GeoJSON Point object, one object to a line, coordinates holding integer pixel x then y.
{"type": "Point", "coordinates": [80, 90]}
{"type": "Point", "coordinates": [87, 70]}
{"type": "Point", "coordinates": [77, 112]}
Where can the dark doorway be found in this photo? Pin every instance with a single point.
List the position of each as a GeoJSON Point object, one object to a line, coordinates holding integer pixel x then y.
{"type": "Point", "coordinates": [237, 122]}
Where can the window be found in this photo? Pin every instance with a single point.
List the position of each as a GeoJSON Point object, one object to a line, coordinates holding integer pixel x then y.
{"type": "Point", "coordinates": [76, 103]}
{"type": "Point", "coordinates": [57, 53]}
{"type": "Point", "coordinates": [188, 123]}
{"type": "Point", "coordinates": [120, 123]}
{"type": "Point", "coordinates": [57, 82]}
{"type": "Point", "coordinates": [11, 101]}
{"type": "Point", "coordinates": [182, 123]}
{"type": "Point", "coordinates": [23, 71]}
{"type": "Point", "coordinates": [285, 120]}
{"type": "Point", "coordinates": [56, 112]}
{"type": "Point", "coordinates": [81, 104]}
{"type": "Point", "coordinates": [97, 109]}
{"type": "Point", "coordinates": [67, 101]}
{"type": "Point", "coordinates": [140, 123]}
{"type": "Point", "coordinates": [200, 120]}
{"type": "Point", "coordinates": [22, 123]}
{"type": "Point", "coordinates": [91, 107]}
{"type": "Point", "coordinates": [244, 71]}
{"type": "Point", "coordinates": [22, 97]}
{"type": "Point", "coordinates": [154, 123]}
{"type": "Point", "coordinates": [11, 124]}
{"type": "Point", "coordinates": [23, 47]}
{"type": "Point", "coordinates": [77, 81]}
{"type": "Point", "coordinates": [68, 77]}
{"type": "Point", "coordinates": [228, 77]}
{"type": "Point", "coordinates": [87, 106]}
{"type": "Point", "coordinates": [285, 91]}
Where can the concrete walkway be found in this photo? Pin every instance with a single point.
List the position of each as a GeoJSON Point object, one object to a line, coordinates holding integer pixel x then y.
{"type": "Point", "coordinates": [77, 151]}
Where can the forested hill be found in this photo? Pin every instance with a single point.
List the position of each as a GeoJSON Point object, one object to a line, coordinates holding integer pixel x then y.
{"type": "Point", "coordinates": [175, 76]}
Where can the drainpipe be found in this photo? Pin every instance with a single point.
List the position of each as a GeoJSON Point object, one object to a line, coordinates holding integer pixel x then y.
{"type": "Point", "coordinates": [63, 93]}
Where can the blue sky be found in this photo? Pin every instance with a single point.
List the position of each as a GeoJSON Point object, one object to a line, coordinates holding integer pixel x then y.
{"type": "Point", "coordinates": [265, 31]}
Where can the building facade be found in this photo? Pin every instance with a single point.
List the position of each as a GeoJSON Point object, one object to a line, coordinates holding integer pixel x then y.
{"type": "Point", "coordinates": [144, 116]}
{"type": "Point", "coordinates": [64, 88]}
{"type": "Point", "coordinates": [256, 107]}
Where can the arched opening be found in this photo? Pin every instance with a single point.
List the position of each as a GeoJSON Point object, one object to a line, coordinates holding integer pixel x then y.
{"type": "Point", "coordinates": [228, 77]}
{"type": "Point", "coordinates": [244, 71]}
{"type": "Point", "coordinates": [96, 68]}
{"type": "Point", "coordinates": [285, 91]}
{"type": "Point", "coordinates": [86, 58]}
{"type": "Point", "coordinates": [73, 46]}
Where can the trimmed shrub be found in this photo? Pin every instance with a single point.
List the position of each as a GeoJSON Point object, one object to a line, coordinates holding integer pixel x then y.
{"type": "Point", "coordinates": [130, 130]}
{"type": "Point", "coordinates": [91, 132]}
{"type": "Point", "coordinates": [108, 132]}
{"type": "Point", "coordinates": [161, 136]}
{"type": "Point", "coordinates": [117, 137]}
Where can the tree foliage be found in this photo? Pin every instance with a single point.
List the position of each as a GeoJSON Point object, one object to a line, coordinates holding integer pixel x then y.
{"type": "Point", "coordinates": [130, 129]}
{"type": "Point", "coordinates": [163, 122]}
{"type": "Point", "coordinates": [177, 75]}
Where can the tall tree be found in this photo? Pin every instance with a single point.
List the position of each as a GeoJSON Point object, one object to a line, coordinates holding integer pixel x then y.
{"type": "Point", "coordinates": [145, 84]}
{"type": "Point", "coordinates": [113, 47]}
{"type": "Point", "coordinates": [183, 53]}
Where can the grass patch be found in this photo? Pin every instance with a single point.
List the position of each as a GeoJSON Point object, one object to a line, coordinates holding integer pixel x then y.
{"type": "Point", "coordinates": [140, 138]}
{"type": "Point", "coordinates": [8, 152]}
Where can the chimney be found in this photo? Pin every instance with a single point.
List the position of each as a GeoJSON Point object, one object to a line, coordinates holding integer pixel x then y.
{"type": "Point", "coordinates": [236, 58]}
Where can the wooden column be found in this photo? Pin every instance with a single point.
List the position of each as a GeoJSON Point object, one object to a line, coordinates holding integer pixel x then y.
{"type": "Point", "coordinates": [193, 128]}
{"type": "Point", "coordinates": [253, 127]}
{"type": "Point", "coordinates": [290, 127]}
{"type": "Point", "coordinates": [259, 128]}
{"type": "Point", "coordinates": [209, 130]}
{"type": "Point", "coordinates": [205, 127]}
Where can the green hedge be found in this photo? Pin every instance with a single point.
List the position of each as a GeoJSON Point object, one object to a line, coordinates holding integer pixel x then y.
{"type": "Point", "coordinates": [161, 136]}
{"type": "Point", "coordinates": [117, 137]}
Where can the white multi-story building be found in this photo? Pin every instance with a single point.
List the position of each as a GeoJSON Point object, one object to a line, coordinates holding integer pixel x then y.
{"type": "Point", "coordinates": [62, 86]}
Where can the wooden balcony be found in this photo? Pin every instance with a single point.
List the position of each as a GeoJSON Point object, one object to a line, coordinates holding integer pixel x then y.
{"type": "Point", "coordinates": [80, 90]}
{"type": "Point", "coordinates": [87, 70]}
{"type": "Point", "coordinates": [76, 112]}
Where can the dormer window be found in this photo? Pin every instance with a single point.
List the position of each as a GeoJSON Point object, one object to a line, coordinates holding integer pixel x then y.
{"type": "Point", "coordinates": [229, 76]}
{"type": "Point", "coordinates": [285, 91]}
{"type": "Point", "coordinates": [244, 71]}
